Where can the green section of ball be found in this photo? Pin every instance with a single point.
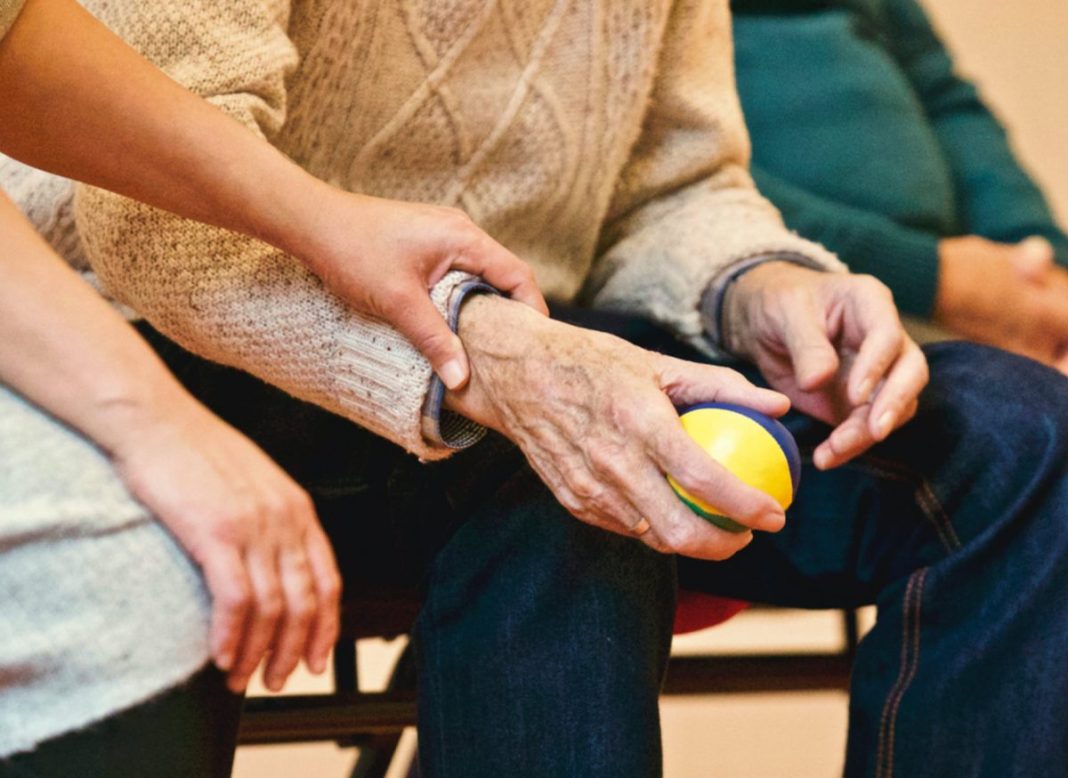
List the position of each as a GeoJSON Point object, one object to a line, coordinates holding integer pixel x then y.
{"type": "Point", "coordinates": [729, 525]}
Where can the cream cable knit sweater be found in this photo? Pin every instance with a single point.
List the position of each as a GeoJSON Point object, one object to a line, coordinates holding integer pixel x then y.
{"type": "Point", "coordinates": [601, 140]}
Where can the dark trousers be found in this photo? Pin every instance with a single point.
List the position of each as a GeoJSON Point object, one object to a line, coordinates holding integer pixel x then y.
{"type": "Point", "coordinates": [543, 641]}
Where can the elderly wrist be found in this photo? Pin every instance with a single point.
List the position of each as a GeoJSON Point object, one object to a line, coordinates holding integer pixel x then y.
{"type": "Point", "coordinates": [499, 335]}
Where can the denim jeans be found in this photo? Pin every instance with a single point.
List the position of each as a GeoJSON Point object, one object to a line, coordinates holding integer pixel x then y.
{"type": "Point", "coordinates": [542, 641]}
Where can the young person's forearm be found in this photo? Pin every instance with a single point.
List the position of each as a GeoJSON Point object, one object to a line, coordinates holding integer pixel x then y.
{"type": "Point", "coordinates": [65, 349]}
{"type": "Point", "coordinates": [79, 102]}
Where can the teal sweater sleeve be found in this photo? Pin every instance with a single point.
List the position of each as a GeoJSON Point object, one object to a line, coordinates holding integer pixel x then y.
{"type": "Point", "coordinates": [863, 239]}
{"type": "Point", "coordinates": [996, 198]}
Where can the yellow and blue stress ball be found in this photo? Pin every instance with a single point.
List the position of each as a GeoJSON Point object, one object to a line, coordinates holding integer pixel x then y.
{"type": "Point", "coordinates": [757, 449]}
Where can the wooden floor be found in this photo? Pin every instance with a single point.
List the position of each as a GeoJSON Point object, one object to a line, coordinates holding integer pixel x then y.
{"type": "Point", "coordinates": [801, 735]}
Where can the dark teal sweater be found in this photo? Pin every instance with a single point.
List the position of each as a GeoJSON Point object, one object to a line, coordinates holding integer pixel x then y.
{"type": "Point", "coordinates": [870, 143]}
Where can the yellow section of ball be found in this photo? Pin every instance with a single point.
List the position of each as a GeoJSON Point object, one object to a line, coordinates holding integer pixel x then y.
{"type": "Point", "coordinates": [744, 448]}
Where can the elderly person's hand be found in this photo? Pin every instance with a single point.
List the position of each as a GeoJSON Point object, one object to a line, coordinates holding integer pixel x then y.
{"type": "Point", "coordinates": [254, 533]}
{"type": "Point", "coordinates": [834, 344]}
{"type": "Point", "coordinates": [1008, 295]}
{"type": "Point", "coordinates": [595, 418]}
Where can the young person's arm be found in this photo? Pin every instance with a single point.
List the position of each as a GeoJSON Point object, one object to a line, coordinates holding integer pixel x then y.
{"type": "Point", "coordinates": [251, 529]}
{"type": "Point", "coordinates": [145, 136]}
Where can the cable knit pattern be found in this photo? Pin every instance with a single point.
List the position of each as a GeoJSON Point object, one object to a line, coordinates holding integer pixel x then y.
{"type": "Point", "coordinates": [101, 609]}
{"type": "Point", "coordinates": [601, 141]}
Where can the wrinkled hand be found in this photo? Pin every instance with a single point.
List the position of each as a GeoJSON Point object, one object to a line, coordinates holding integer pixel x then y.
{"type": "Point", "coordinates": [833, 343]}
{"type": "Point", "coordinates": [595, 417]}
{"type": "Point", "coordinates": [1010, 296]}
{"type": "Point", "coordinates": [382, 256]}
{"type": "Point", "coordinates": [254, 533]}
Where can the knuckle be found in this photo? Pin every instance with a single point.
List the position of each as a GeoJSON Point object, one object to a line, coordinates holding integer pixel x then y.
{"type": "Point", "coordinates": [300, 503]}
{"type": "Point", "coordinates": [678, 537]}
{"type": "Point", "coordinates": [584, 487]}
{"type": "Point", "coordinates": [302, 610]}
{"type": "Point", "coordinates": [235, 598]}
{"type": "Point", "coordinates": [331, 588]}
{"type": "Point", "coordinates": [873, 286]}
{"type": "Point", "coordinates": [270, 606]}
{"type": "Point", "coordinates": [228, 527]}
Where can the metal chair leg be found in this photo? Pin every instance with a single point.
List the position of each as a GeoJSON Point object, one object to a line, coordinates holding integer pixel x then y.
{"type": "Point", "coordinates": [377, 753]}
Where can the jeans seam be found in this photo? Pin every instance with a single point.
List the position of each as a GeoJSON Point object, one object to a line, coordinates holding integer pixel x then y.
{"type": "Point", "coordinates": [910, 660]}
{"type": "Point", "coordinates": [925, 497]}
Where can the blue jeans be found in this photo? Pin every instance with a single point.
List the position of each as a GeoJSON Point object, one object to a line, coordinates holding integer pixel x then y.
{"type": "Point", "coordinates": [542, 641]}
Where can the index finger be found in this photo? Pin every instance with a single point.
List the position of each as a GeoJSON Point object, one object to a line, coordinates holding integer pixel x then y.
{"type": "Point", "coordinates": [503, 270]}
{"type": "Point", "coordinates": [903, 385]}
{"type": "Point", "coordinates": [690, 382]}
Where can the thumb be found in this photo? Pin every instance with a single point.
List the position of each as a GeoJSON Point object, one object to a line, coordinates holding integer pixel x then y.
{"type": "Point", "coordinates": [421, 323]}
{"type": "Point", "coordinates": [1033, 257]}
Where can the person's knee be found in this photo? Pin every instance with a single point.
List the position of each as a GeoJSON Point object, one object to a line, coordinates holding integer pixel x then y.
{"type": "Point", "coordinates": [1003, 402]}
{"type": "Point", "coordinates": [522, 569]}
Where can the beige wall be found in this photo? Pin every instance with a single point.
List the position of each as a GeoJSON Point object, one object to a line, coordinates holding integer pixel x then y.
{"type": "Point", "coordinates": [1017, 50]}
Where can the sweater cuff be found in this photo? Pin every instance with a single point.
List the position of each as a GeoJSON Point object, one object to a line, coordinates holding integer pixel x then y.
{"type": "Point", "coordinates": [442, 427]}
{"type": "Point", "coordinates": [904, 260]}
{"type": "Point", "coordinates": [383, 382]}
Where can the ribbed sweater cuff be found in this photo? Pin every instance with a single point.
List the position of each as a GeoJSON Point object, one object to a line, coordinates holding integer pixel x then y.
{"type": "Point", "coordinates": [382, 380]}
{"type": "Point", "coordinates": [906, 261]}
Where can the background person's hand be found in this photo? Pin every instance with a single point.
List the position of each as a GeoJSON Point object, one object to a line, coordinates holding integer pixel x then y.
{"type": "Point", "coordinates": [595, 417]}
{"type": "Point", "coordinates": [268, 565]}
{"type": "Point", "coordinates": [1008, 295]}
{"type": "Point", "coordinates": [382, 256]}
{"type": "Point", "coordinates": [834, 344]}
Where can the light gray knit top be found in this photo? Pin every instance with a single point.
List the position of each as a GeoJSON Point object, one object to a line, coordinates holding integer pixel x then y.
{"type": "Point", "coordinates": [600, 140]}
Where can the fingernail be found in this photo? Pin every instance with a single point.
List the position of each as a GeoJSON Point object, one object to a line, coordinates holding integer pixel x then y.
{"type": "Point", "coordinates": [864, 392]}
{"type": "Point", "coordinates": [318, 665]}
{"type": "Point", "coordinates": [224, 661]}
{"type": "Point", "coordinates": [885, 424]}
{"type": "Point", "coordinates": [452, 373]}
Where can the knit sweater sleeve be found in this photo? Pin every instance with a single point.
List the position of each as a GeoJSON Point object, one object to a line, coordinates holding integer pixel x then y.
{"type": "Point", "coordinates": [232, 299]}
{"type": "Point", "coordinates": [685, 209]}
{"type": "Point", "coordinates": [997, 198]}
{"type": "Point", "coordinates": [9, 10]}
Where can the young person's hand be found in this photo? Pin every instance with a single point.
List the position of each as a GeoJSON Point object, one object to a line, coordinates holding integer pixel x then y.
{"type": "Point", "coordinates": [271, 572]}
{"type": "Point", "coordinates": [381, 257]}
{"type": "Point", "coordinates": [1008, 295]}
{"type": "Point", "coordinates": [834, 344]}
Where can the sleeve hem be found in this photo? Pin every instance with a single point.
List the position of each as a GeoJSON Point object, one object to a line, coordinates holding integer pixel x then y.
{"type": "Point", "coordinates": [442, 427]}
